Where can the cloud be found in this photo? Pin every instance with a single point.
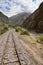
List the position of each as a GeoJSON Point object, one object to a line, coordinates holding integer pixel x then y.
{"type": "Point", "coordinates": [12, 7]}
{"type": "Point", "coordinates": [7, 8]}
{"type": "Point", "coordinates": [33, 0]}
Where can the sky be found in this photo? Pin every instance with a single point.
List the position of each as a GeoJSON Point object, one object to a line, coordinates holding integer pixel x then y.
{"type": "Point", "coordinates": [13, 7]}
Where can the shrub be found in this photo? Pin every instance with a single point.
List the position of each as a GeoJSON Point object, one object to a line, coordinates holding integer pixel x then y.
{"type": "Point", "coordinates": [41, 37]}
{"type": "Point", "coordinates": [24, 32]}
{"type": "Point", "coordinates": [17, 29]}
{"type": "Point", "coordinates": [11, 26]}
{"type": "Point", "coordinates": [3, 30]}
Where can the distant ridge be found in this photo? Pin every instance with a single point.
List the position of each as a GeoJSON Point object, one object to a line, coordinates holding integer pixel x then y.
{"type": "Point", "coordinates": [19, 18]}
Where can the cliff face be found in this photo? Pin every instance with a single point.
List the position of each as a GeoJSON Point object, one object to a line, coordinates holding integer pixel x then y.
{"type": "Point", "coordinates": [35, 20]}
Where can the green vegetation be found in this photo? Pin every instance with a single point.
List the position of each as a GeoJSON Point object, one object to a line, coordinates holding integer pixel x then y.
{"type": "Point", "coordinates": [22, 31]}
{"type": "Point", "coordinates": [41, 37]}
{"type": "Point", "coordinates": [3, 29]}
{"type": "Point", "coordinates": [11, 26]}
{"type": "Point", "coordinates": [17, 29]}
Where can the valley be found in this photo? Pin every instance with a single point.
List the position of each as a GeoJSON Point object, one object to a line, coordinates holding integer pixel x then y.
{"type": "Point", "coordinates": [21, 38]}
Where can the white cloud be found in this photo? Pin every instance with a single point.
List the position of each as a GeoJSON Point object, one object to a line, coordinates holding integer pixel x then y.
{"type": "Point", "coordinates": [12, 7]}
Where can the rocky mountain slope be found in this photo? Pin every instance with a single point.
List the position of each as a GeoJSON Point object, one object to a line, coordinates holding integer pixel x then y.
{"type": "Point", "coordinates": [35, 20]}
{"type": "Point", "coordinates": [3, 18]}
{"type": "Point", "coordinates": [19, 18]}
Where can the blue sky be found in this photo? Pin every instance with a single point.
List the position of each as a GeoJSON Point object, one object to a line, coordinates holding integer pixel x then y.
{"type": "Point", "coordinates": [13, 7]}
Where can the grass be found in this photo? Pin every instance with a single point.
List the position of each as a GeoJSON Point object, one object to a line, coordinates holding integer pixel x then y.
{"type": "Point", "coordinates": [22, 31]}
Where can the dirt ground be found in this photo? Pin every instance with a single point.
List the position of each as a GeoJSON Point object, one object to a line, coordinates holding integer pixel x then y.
{"type": "Point", "coordinates": [34, 48]}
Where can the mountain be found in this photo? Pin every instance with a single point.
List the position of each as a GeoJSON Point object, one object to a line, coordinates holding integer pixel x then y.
{"type": "Point", "coordinates": [3, 18]}
{"type": "Point", "coordinates": [35, 20]}
{"type": "Point", "coordinates": [19, 18]}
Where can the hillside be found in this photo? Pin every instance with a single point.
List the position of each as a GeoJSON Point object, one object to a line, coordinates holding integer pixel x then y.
{"type": "Point", "coordinates": [19, 18]}
{"type": "Point", "coordinates": [3, 18]}
{"type": "Point", "coordinates": [35, 20]}
{"type": "Point", "coordinates": [3, 23]}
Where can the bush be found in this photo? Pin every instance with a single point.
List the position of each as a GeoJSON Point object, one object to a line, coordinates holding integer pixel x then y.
{"type": "Point", "coordinates": [3, 30]}
{"type": "Point", "coordinates": [41, 37]}
{"type": "Point", "coordinates": [24, 32]}
{"type": "Point", "coordinates": [11, 26]}
{"type": "Point", "coordinates": [17, 29]}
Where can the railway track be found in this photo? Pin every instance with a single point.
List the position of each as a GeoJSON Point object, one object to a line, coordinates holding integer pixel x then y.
{"type": "Point", "coordinates": [12, 52]}
{"type": "Point", "coordinates": [11, 55]}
